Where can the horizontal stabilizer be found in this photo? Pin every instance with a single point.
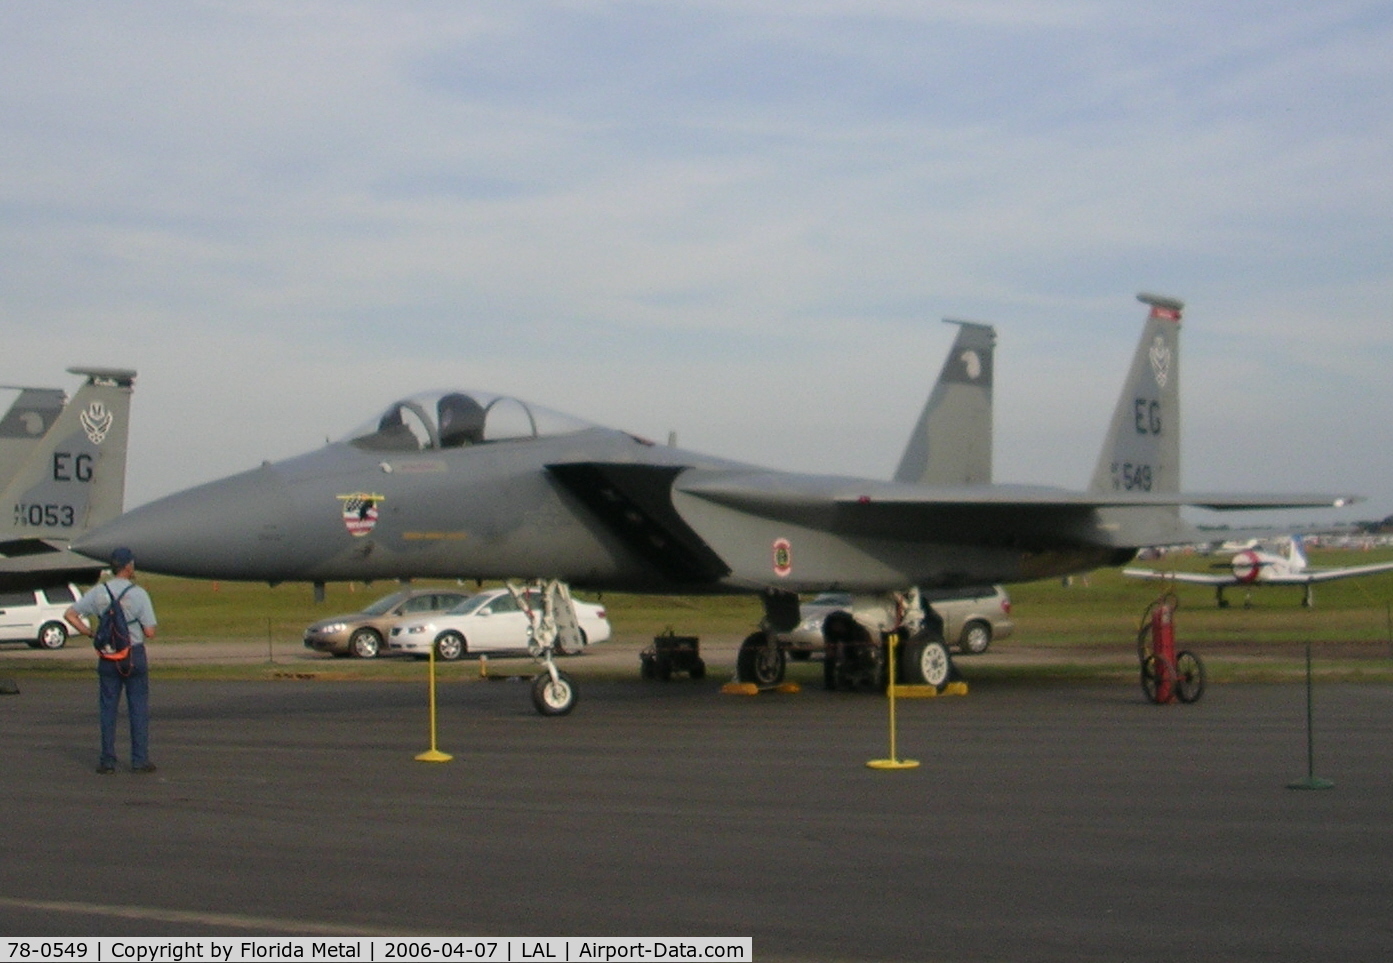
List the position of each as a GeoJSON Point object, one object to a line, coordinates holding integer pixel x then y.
{"type": "Point", "coordinates": [995, 514]}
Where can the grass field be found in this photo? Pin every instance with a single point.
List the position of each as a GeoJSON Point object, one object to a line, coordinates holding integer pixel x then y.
{"type": "Point", "coordinates": [1093, 616]}
{"type": "Point", "coordinates": [1096, 610]}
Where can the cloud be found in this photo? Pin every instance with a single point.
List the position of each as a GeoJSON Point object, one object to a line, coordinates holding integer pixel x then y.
{"type": "Point", "coordinates": [738, 221]}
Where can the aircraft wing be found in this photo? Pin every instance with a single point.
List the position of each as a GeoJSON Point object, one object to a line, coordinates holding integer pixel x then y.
{"type": "Point", "coordinates": [776, 493]}
{"type": "Point", "coordinates": [1195, 578]}
{"type": "Point", "coordinates": [1330, 574]}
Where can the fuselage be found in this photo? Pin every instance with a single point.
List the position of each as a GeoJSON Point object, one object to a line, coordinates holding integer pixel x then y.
{"type": "Point", "coordinates": [497, 510]}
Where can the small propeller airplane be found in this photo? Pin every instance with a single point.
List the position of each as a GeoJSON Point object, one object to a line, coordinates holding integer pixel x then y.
{"type": "Point", "coordinates": [1253, 566]}
{"type": "Point", "coordinates": [470, 485]}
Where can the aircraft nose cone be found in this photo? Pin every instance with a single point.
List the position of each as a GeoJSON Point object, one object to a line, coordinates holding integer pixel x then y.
{"type": "Point", "coordinates": [220, 530]}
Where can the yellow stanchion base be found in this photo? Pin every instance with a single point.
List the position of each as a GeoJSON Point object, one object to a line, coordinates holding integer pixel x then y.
{"type": "Point", "coordinates": [749, 688]}
{"type": "Point", "coordinates": [433, 755]}
{"type": "Point", "coordinates": [893, 764]}
{"type": "Point", "coordinates": [929, 692]}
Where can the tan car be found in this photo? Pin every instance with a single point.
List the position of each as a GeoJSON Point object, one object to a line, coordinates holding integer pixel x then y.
{"type": "Point", "coordinates": [972, 618]}
{"type": "Point", "coordinates": [363, 634]}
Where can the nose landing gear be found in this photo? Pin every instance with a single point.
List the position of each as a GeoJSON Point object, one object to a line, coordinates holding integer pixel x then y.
{"type": "Point", "coordinates": [554, 693]}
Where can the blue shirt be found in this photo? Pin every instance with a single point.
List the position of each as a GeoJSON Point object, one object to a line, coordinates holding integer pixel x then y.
{"type": "Point", "coordinates": [140, 611]}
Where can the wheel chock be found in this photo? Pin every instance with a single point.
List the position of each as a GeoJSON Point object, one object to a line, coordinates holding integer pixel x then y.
{"type": "Point", "coordinates": [749, 688]}
{"type": "Point", "coordinates": [930, 692]}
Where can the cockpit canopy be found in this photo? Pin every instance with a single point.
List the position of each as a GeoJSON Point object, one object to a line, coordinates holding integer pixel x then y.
{"type": "Point", "coordinates": [454, 419]}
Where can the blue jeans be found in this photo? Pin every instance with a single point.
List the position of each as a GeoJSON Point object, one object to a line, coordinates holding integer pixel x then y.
{"type": "Point", "coordinates": [137, 686]}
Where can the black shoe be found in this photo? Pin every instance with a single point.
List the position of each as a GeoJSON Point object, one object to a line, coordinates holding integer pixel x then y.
{"type": "Point", "coordinates": [105, 770]}
{"type": "Point", "coordinates": [148, 767]}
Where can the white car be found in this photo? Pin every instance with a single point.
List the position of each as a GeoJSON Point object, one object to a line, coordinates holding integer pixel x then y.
{"type": "Point", "coordinates": [488, 622]}
{"type": "Point", "coordinates": [35, 616]}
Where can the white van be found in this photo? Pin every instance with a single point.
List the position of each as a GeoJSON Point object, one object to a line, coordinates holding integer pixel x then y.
{"type": "Point", "coordinates": [36, 616]}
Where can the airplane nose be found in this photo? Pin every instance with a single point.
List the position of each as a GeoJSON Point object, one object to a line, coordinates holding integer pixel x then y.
{"type": "Point", "coordinates": [219, 530]}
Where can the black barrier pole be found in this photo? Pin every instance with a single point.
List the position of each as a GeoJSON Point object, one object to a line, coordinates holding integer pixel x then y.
{"type": "Point", "coordinates": [1312, 781]}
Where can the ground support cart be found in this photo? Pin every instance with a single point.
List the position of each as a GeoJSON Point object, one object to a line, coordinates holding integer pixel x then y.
{"type": "Point", "coordinates": [672, 653]}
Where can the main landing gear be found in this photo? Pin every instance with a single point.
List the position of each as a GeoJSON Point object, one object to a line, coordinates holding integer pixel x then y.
{"type": "Point", "coordinates": [855, 644]}
{"type": "Point", "coordinates": [857, 662]}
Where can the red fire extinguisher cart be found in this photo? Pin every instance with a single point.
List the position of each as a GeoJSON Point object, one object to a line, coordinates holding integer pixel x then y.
{"type": "Point", "coordinates": [1166, 675]}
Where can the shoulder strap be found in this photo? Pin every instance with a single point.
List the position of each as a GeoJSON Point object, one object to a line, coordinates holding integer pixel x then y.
{"type": "Point", "coordinates": [116, 599]}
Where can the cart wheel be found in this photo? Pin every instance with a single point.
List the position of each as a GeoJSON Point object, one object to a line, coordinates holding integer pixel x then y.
{"type": "Point", "coordinates": [554, 698]}
{"type": "Point", "coordinates": [1189, 682]}
{"type": "Point", "coordinates": [662, 668]}
{"type": "Point", "coordinates": [1144, 640]}
{"type": "Point", "coordinates": [698, 670]}
{"type": "Point", "coordinates": [645, 666]}
{"type": "Point", "coordinates": [1153, 670]}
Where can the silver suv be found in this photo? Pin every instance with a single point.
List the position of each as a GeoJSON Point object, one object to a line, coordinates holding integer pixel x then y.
{"type": "Point", "coordinates": [972, 618]}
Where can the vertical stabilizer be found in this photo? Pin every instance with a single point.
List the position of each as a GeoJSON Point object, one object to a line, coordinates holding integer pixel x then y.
{"type": "Point", "coordinates": [1142, 450]}
{"type": "Point", "coordinates": [33, 413]}
{"type": "Point", "coordinates": [1296, 554]}
{"type": "Point", "coordinates": [75, 477]}
{"type": "Point", "coordinates": [952, 443]}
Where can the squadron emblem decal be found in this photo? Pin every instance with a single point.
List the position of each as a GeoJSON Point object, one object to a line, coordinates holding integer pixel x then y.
{"type": "Point", "coordinates": [783, 558]}
{"type": "Point", "coordinates": [1160, 361]}
{"type": "Point", "coordinates": [360, 512]}
{"type": "Point", "coordinates": [96, 421]}
{"type": "Point", "coordinates": [972, 364]}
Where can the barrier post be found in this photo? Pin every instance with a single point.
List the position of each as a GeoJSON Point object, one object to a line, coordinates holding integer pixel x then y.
{"type": "Point", "coordinates": [1312, 781]}
{"type": "Point", "coordinates": [433, 754]}
{"type": "Point", "coordinates": [894, 762]}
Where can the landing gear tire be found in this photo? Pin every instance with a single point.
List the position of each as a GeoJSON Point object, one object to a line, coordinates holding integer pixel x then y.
{"type": "Point", "coordinates": [852, 661]}
{"type": "Point", "coordinates": [1189, 677]}
{"type": "Point", "coordinates": [927, 663]}
{"type": "Point", "coordinates": [449, 646]}
{"type": "Point", "coordinates": [53, 635]}
{"type": "Point", "coordinates": [864, 671]}
{"type": "Point", "coordinates": [554, 697]}
{"type": "Point", "coordinates": [365, 644]}
{"type": "Point", "coordinates": [760, 661]}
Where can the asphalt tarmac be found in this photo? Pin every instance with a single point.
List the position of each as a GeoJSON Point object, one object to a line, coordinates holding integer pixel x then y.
{"type": "Point", "coordinates": [1046, 822]}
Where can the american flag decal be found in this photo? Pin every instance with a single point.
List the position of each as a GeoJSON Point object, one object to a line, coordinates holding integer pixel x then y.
{"type": "Point", "coordinates": [360, 512]}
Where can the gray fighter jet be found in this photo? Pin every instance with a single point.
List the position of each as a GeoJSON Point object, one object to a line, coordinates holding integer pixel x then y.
{"type": "Point", "coordinates": [462, 484]}
{"type": "Point", "coordinates": [63, 468]}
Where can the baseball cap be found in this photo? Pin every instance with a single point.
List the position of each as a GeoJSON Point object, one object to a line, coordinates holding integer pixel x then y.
{"type": "Point", "coordinates": [122, 557]}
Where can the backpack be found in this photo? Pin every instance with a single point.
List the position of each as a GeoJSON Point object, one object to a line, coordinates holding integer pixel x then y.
{"type": "Point", "coordinates": [112, 639]}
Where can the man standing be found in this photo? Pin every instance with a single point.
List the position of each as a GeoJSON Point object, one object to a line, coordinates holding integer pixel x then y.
{"type": "Point", "coordinates": [113, 676]}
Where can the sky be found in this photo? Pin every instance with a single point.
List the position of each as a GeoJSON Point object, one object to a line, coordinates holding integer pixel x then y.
{"type": "Point", "coordinates": [737, 220]}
